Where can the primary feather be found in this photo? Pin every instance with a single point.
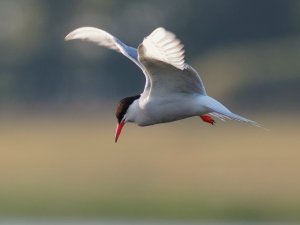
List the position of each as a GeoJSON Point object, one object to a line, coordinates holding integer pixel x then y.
{"type": "Point", "coordinates": [163, 46]}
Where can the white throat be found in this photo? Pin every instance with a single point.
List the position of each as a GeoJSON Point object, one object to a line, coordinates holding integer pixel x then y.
{"type": "Point", "coordinates": [134, 113]}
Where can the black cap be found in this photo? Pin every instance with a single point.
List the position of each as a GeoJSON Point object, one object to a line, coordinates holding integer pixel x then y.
{"type": "Point", "coordinates": [124, 105]}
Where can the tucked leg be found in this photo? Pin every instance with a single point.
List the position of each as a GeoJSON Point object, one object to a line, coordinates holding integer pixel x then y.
{"type": "Point", "coordinates": [208, 119]}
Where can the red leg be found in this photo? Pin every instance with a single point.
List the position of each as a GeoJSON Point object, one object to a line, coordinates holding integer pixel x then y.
{"type": "Point", "coordinates": [208, 119]}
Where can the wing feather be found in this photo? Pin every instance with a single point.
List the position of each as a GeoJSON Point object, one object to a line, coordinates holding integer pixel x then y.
{"type": "Point", "coordinates": [162, 56]}
{"type": "Point", "coordinates": [103, 38]}
{"type": "Point", "coordinates": [163, 46]}
{"type": "Point", "coordinates": [95, 35]}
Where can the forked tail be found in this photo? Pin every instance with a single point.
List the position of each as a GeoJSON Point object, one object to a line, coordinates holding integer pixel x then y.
{"type": "Point", "coordinates": [221, 112]}
{"type": "Point", "coordinates": [231, 116]}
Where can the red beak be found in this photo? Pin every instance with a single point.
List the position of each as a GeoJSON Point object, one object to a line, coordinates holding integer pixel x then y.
{"type": "Point", "coordinates": [118, 130]}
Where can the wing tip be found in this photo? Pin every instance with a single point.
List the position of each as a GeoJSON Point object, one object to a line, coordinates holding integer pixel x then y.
{"type": "Point", "coordinates": [69, 37]}
{"type": "Point", "coordinates": [160, 29]}
{"type": "Point", "coordinates": [75, 34]}
{"type": "Point", "coordinates": [166, 47]}
{"type": "Point", "coordinates": [72, 35]}
{"type": "Point", "coordinates": [163, 32]}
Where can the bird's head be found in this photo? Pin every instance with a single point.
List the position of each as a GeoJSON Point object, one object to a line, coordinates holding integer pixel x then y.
{"type": "Point", "coordinates": [122, 113]}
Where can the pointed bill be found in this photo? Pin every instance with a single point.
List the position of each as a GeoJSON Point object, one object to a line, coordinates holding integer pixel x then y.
{"type": "Point", "coordinates": [118, 130]}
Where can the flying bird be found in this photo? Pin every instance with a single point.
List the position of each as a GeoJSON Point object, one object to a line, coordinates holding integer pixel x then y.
{"type": "Point", "coordinates": [173, 89]}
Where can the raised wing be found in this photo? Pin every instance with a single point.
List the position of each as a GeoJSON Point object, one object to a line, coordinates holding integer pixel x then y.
{"type": "Point", "coordinates": [162, 56]}
{"type": "Point", "coordinates": [163, 46]}
{"type": "Point", "coordinates": [102, 38]}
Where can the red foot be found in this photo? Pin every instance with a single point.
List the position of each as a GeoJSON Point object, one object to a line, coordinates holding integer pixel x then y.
{"type": "Point", "coordinates": [207, 119]}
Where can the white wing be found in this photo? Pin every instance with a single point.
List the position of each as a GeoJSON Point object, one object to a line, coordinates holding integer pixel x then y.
{"type": "Point", "coordinates": [163, 46]}
{"type": "Point", "coordinates": [162, 56]}
{"type": "Point", "coordinates": [102, 38]}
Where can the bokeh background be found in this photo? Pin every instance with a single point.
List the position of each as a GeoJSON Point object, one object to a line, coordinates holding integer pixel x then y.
{"type": "Point", "coordinates": [57, 100]}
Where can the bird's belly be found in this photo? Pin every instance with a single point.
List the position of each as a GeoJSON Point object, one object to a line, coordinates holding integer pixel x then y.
{"type": "Point", "coordinates": [167, 111]}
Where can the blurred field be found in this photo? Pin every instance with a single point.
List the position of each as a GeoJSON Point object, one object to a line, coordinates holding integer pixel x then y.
{"type": "Point", "coordinates": [70, 166]}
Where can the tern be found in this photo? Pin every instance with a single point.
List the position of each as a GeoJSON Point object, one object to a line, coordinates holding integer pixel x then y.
{"type": "Point", "coordinates": [173, 90]}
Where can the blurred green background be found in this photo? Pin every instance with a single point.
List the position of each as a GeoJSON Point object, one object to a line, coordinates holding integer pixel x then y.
{"type": "Point", "coordinates": [57, 99]}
